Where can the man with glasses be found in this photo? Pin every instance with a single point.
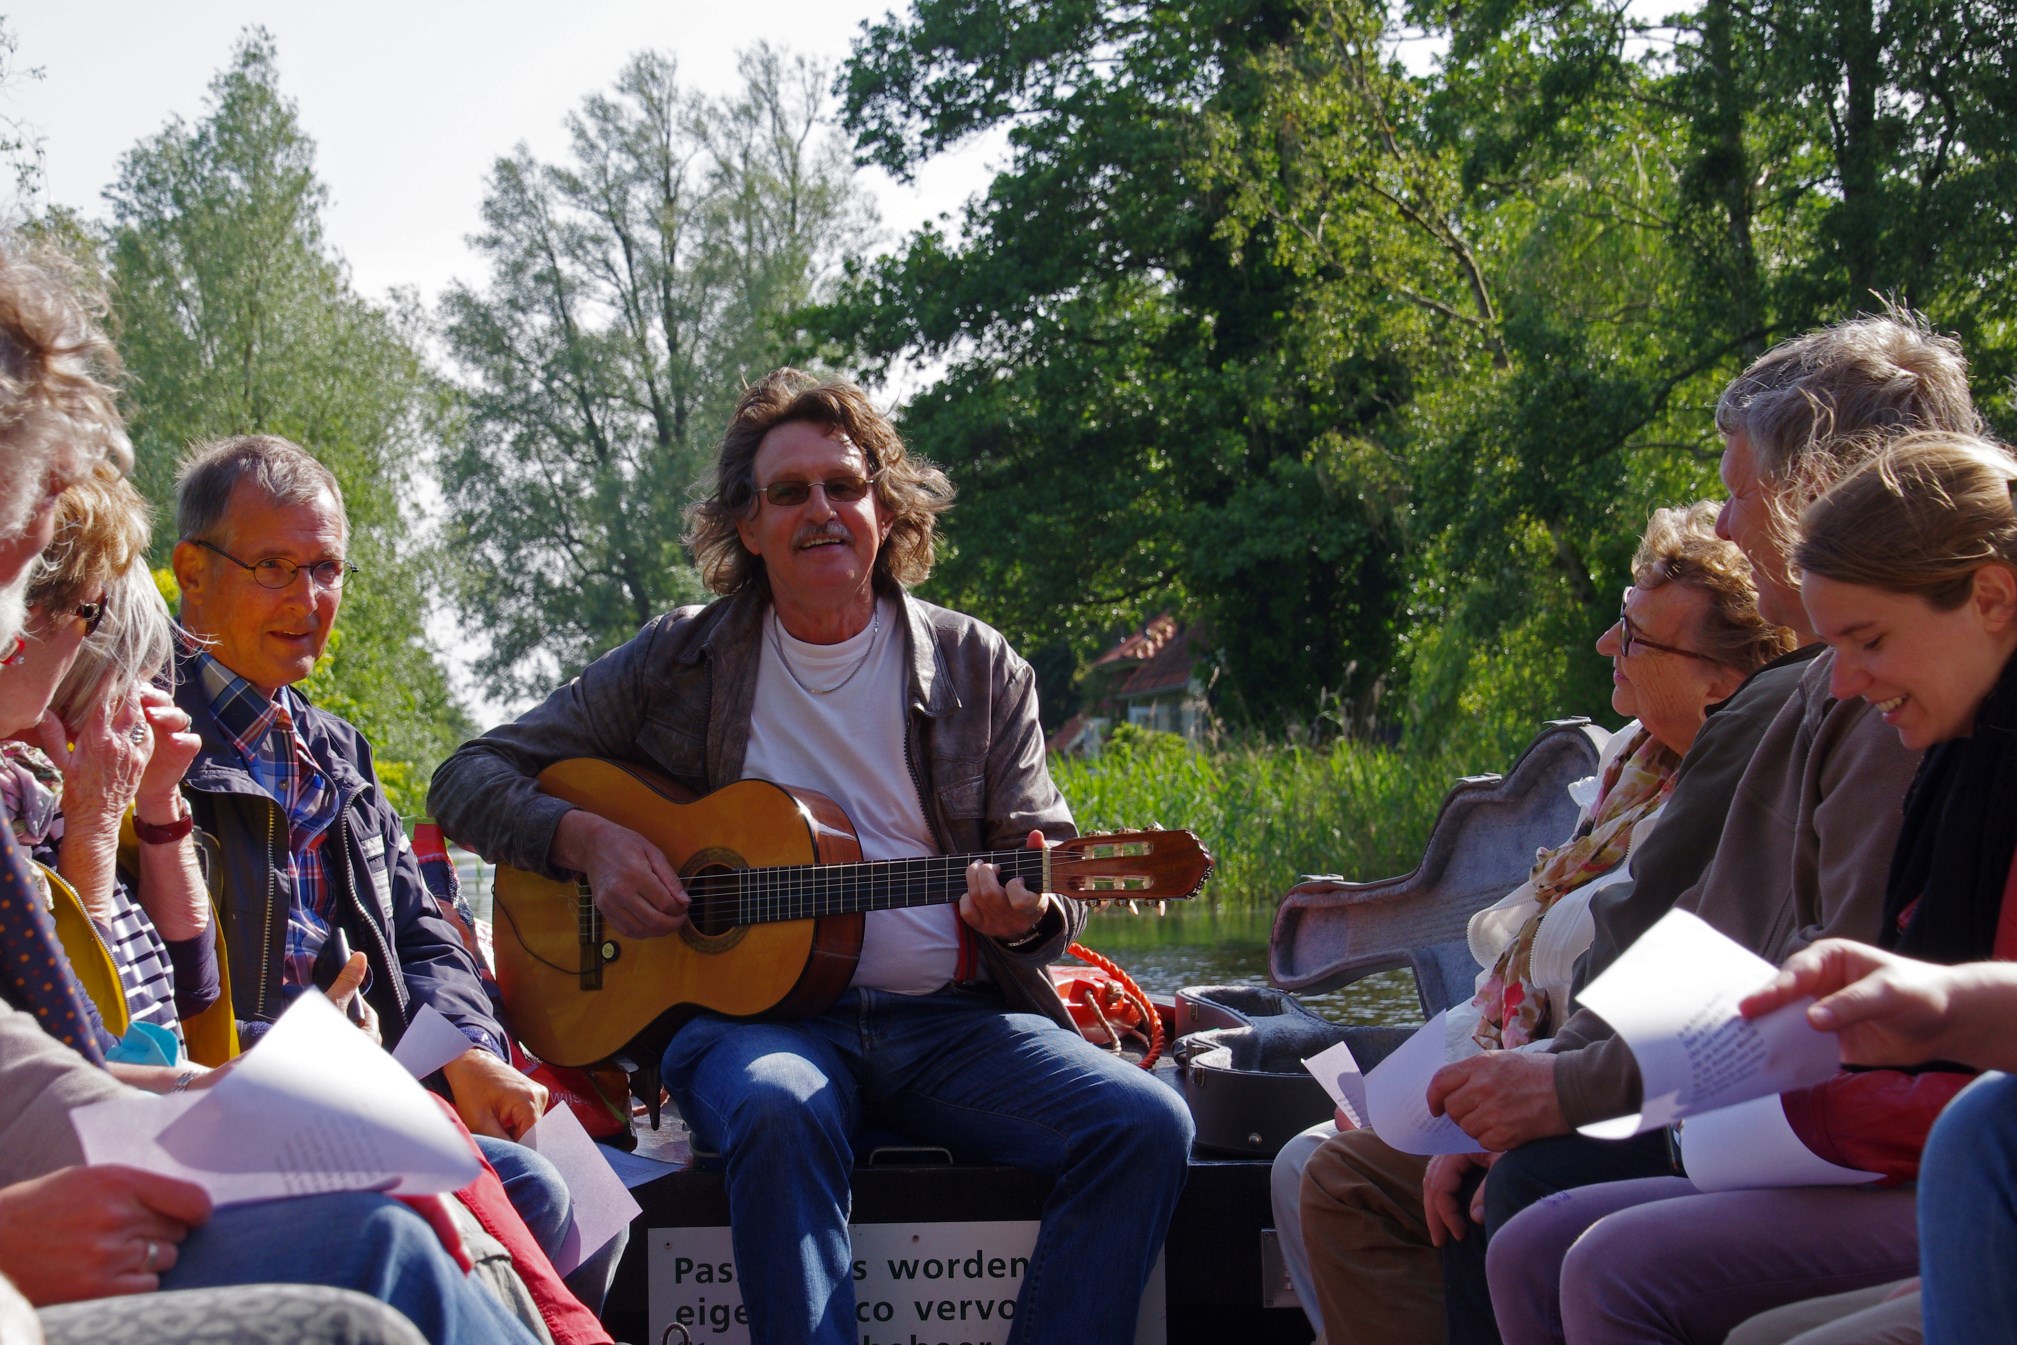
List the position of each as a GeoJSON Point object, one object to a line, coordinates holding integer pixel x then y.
{"type": "Point", "coordinates": [307, 858]}
{"type": "Point", "coordinates": [817, 669]}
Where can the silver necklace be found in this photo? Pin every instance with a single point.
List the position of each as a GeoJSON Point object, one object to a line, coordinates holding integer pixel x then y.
{"type": "Point", "coordinates": [777, 642]}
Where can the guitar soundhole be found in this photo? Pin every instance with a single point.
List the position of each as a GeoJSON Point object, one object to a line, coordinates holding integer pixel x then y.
{"type": "Point", "coordinates": [710, 919]}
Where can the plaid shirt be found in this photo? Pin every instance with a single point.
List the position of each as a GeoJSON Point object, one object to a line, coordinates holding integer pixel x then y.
{"type": "Point", "coordinates": [263, 732]}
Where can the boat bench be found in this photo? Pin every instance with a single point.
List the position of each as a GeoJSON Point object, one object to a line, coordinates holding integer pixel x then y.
{"type": "Point", "coordinates": [1210, 1274]}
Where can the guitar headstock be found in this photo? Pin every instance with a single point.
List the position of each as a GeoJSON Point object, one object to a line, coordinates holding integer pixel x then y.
{"type": "Point", "coordinates": [1131, 866]}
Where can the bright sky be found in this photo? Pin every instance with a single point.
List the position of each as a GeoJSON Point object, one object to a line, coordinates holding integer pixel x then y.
{"type": "Point", "coordinates": [409, 103]}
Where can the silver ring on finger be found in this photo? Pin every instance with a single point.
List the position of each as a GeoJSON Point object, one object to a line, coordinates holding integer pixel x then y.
{"type": "Point", "coordinates": [147, 1261]}
{"type": "Point", "coordinates": [138, 733]}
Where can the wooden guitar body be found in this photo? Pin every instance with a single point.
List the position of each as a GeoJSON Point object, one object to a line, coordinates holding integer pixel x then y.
{"type": "Point", "coordinates": [577, 993]}
{"type": "Point", "coordinates": [779, 891]}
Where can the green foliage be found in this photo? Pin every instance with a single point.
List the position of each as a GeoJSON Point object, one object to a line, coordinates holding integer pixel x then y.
{"type": "Point", "coordinates": [1139, 414]}
{"type": "Point", "coordinates": [1377, 366]}
{"type": "Point", "coordinates": [1269, 812]}
{"type": "Point", "coordinates": [234, 318]}
{"type": "Point", "coordinates": [633, 292]}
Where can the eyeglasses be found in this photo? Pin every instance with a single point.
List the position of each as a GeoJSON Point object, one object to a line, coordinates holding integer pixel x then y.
{"type": "Point", "coordinates": [92, 613]}
{"type": "Point", "coordinates": [840, 490]}
{"type": "Point", "coordinates": [1630, 640]}
{"type": "Point", "coordinates": [276, 574]}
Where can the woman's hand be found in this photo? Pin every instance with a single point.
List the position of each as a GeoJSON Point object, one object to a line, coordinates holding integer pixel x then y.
{"type": "Point", "coordinates": [95, 1232]}
{"type": "Point", "coordinates": [1891, 1010]}
{"type": "Point", "coordinates": [172, 747]}
{"type": "Point", "coordinates": [102, 760]}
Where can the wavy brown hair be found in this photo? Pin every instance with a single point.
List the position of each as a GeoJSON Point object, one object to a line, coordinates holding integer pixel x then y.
{"type": "Point", "coordinates": [102, 526]}
{"type": "Point", "coordinates": [909, 491]}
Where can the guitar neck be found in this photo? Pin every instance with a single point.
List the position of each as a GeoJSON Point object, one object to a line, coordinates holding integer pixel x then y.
{"type": "Point", "coordinates": [806, 891]}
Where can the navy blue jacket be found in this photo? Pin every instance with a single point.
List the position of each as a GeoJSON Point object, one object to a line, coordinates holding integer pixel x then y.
{"type": "Point", "coordinates": [382, 904]}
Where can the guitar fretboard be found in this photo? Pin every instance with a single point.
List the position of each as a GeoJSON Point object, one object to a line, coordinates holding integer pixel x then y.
{"type": "Point", "coordinates": [806, 891]}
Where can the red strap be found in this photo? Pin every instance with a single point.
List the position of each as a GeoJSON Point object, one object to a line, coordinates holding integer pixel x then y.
{"type": "Point", "coordinates": [967, 968]}
{"type": "Point", "coordinates": [2005, 947]}
{"type": "Point", "coordinates": [566, 1319]}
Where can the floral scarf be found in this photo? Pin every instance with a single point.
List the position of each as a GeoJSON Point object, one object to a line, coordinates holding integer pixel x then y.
{"type": "Point", "coordinates": [1512, 1010]}
{"type": "Point", "coordinates": [31, 790]}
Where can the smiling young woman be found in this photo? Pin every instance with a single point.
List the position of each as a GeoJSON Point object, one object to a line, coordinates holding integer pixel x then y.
{"type": "Point", "coordinates": [1909, 571]}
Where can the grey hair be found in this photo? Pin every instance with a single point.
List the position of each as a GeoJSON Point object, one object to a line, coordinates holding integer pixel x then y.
{"type": "Point", "coordinates": [281, 469]}
{"type": "Point", "coordinates": [1846, 387]}
{"type": "Point", "coordinates": [134, 643]}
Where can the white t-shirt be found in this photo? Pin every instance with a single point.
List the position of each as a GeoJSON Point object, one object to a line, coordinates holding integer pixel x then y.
{"type": "Point", "coordinates": [848, 744]}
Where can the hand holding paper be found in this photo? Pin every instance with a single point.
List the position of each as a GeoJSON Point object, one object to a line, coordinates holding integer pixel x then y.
{"type": "Point", "coordinates": [1397, 1097]}
{"type": "Point", "coordinates": [314, 1108]}
{"type": "Point", "coordinates": [1672, 997]}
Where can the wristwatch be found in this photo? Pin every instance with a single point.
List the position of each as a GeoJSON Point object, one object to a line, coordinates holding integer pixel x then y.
{"type": "Point", "coordinates": [165, 833]}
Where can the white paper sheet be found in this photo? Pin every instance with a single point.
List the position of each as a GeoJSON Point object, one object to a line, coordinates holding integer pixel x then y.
{"type": "Point", "coordinates": [315, 1107]}
{"type": "Point", "coordinates": [1672, 996]}
{"type": "Point", "coordinates": [635, 1169]}
{"type": "Point", "coordinates": [1338, 1071]}
{"type": "Point", "coordinates": [430, 1041]}
{"type": "Point", "coordinates": [1397, 1097]}
{"type": "Point", "coordinates": [603, 1206]}
{"type": "Point", "coordinates": [1753, 1144]}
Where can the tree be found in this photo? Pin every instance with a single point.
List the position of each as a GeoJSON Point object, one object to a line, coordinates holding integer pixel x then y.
{"type": "Point", "coordinates": [1383, 366]}
{"type": "Point", "coordinates": [633, 292]}
{"type": "Point", "coordinates": [21, 150]}
{"type": "Point", "coordinates": [234, 318]}
{"type": "Point", "coordinates": [1137, 413]}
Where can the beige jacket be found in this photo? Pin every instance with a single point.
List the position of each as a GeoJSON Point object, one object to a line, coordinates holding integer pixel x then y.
{"type": "Point", "coordinates": [41, 1082]}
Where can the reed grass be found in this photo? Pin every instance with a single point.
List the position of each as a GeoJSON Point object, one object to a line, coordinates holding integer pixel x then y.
{"type": "Point", "coordinates": [1268, 812]}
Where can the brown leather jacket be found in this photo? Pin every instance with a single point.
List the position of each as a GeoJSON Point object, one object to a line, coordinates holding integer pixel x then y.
{"type": "Point", "coordinates": [678, 698]}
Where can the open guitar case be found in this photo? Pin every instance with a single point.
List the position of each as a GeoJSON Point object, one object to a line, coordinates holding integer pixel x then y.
{"type": "Point", "coordinates": [1240, 1052]}
{"type": "Point", "coordinates": [1240, 1048]}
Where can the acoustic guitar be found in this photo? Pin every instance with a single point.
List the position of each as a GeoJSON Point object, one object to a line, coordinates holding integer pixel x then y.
{"type": "Point", "coordinates": [779, 891]}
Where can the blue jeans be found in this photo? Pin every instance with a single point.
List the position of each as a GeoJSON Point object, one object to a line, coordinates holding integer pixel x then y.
{"type": "Point", "coordinates": [1968, 1216]}
{"type": "Point", "coordinates": [782, 1103]}
{"type": "Point", "coordinates": [353, 1241]}
{"type": "Point", "coordinates": [539, 1194]}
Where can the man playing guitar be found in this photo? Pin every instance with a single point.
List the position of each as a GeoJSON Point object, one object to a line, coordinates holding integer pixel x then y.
{"type": "Point", "coordinates": [817, 669]}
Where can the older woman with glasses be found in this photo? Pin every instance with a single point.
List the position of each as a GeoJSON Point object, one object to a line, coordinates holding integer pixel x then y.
{"type": "Point", "coordinates": [108, 743]}
{"type": "Point", "coordinates": [1688, 634]}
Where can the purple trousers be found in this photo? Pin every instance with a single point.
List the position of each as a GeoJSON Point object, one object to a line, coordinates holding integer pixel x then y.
{"type": "Point", "coordinates": [1655, 1260]}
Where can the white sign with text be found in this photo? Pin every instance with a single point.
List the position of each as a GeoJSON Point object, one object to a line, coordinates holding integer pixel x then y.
{"type": "Point", "coordinates": [914, 1284]}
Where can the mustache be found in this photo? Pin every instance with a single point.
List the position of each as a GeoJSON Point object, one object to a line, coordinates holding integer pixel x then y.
{"type": "Point", "coordinates": [834, 531]}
